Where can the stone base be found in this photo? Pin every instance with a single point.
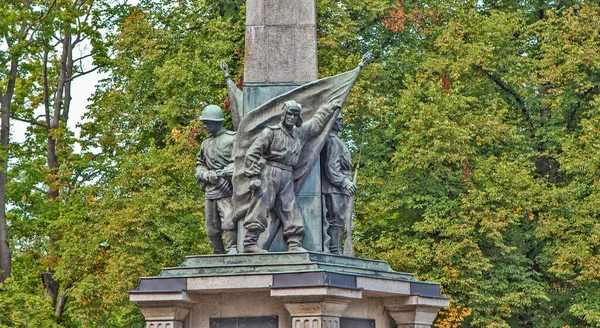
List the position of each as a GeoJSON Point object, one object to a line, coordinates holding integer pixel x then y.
{"type": "Point", "coordinates": [286, 290]}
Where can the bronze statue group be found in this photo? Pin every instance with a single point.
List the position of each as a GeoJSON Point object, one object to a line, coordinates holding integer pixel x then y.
{"type": "Point", "coordinates": [252, 176]}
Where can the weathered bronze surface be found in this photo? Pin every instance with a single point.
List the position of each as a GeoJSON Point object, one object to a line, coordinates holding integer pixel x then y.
{"type": "Point", "coordinates": [297, 155]}
{"type": "Point", "coordinates": [214, 169]}
{"type": "Point", "coordinates": [269, 164]}
{"type": "Point", "coordinates": [283, 263]}
{"type": "Point", "coordinates": [337, 187]}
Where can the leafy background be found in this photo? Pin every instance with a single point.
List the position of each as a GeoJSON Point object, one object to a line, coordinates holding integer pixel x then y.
{"type": "Point", "coordinates": [480, 166]}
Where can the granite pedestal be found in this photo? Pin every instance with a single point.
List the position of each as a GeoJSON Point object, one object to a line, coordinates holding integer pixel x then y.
{"type": "Point", "coordinates": [286, 290]}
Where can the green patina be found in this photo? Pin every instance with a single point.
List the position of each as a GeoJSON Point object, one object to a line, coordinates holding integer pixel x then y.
{"type": "Point", "coordinates": [277, 263]}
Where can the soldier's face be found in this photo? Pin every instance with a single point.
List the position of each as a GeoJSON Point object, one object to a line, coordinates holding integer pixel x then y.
{"type": "Point", "coordinates": [290, 119]}
{"type": "Point", "coordinates": [211, 126]}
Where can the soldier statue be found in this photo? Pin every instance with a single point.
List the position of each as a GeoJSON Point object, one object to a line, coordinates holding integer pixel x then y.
{"type": "Point", "coordinates": [336, 185]}
{"type": "Point", "coordinates": [214, 169]}
{"type": "Point", "coordinates": [269, 164]}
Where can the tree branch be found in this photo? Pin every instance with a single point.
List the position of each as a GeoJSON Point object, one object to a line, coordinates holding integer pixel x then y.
{"type": "Point", "coordinates": [83, 57]}
{"type": "Point", "coordinates": [86, 177]}
{"type": "Point", "coordinates": [58, 41]}
{"type": "Point", "coordinates": [83, 73]}
{"type": "Point", "coordinates": [45, 192]}
{"type": "Point", "coordinates": [28, 152]}
{"type": "Point", "coordinates": [46, 87]}
{"type": "Point", "coordinates": [38, 23]}
{"type": "Point", "coordinates": [28, 121]}
{"type": "Point", "coordinates": [76, 41]}
{"type": "Point", "coordinates": [89, 11]}
{"type": "Point", "coordinates": [8, 43]}
{"type": "Point", "coordinates": [573, 111]}
{"type": "Point", "coordinates": [514, 94]}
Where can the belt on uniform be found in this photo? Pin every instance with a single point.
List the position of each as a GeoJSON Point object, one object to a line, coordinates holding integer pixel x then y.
{"type": "Point", "coordinates": [279, 165]}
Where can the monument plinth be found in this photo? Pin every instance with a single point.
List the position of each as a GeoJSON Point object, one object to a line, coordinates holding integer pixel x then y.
{"type": "Point", "coordinates": [286, 290]}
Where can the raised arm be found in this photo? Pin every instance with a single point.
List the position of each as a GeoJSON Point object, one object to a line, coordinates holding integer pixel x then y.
{"type": "Point", "coordinates": [323, 115]}
{"type": "Point", "coordinates": [225, 68]}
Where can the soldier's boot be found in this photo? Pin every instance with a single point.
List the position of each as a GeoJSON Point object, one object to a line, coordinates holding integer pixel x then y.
{"type": "Point", "coordinates": [295, 244]}
{"type": "Point", "coordinates": [335, 244]}
{"type": "Point", "coordinates": [216, 242]}
{"type": "Point", "coordinates": [250, 242]}
{"type": "Point", "coordinates": [231, 242]}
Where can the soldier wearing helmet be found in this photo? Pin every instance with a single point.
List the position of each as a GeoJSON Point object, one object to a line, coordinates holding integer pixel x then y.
{"type": "Point", "coordinates": [270, 162]}
{"type": "Point", "coordinates": [336, 185]}
{"type": "Point", "coordinates": [214, 169]}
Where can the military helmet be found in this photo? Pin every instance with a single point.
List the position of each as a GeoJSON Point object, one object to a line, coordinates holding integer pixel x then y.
{"type": "Point", "coordinates": [291, 106]}
{"type": "Point", "coordinates": [212, 113]}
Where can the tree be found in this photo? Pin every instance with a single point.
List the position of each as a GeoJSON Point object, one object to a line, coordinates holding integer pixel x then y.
{"type": "Point", "coordinates": [45, 81]}
{"type": "Point", "coordinates": [145, 206]}
{"type": "Point", "coordinates": [473, 117]}
{"type": "Point", "coordinates": [20, 30]}
{"type": "Point", "coordinates": [479, 165]}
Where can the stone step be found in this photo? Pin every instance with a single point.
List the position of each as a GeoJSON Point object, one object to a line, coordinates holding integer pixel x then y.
{"type": "Point", "coordinates": [233, 270]}
{"type": "Point", "coordinates": [277, 258]}
{"type": "Point", "coordinates": [274, 263]}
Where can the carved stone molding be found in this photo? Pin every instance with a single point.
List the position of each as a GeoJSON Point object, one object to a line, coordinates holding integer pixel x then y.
{"type": "Point", "coordinates": [316, 322]}
{"type": "Point", "coordinates": [316, 307]}
{"type": "Point", "coordinates": [415, 311]}
{"type": "Point", "coordinates": [164, 324]}
{"type": "Point", "coordinates": [163, 310]}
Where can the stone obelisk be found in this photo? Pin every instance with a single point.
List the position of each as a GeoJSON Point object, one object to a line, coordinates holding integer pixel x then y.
{"type": "Point", "coordinates": [281, 54]}
{"type": "Point", "coordinates": [281, 45]}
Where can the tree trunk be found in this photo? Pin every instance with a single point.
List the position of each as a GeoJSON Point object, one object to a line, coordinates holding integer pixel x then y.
{"type": "Point", "coordinates": [5, 100]}
{"type": "Point", "coordinates": [51, 287]}
{"type": "Point", "coordinates": [60, 307]}
{"type": "Point", "coordinates": [5, 253]}
{"type": "Point", "coordinates": [62, 99]}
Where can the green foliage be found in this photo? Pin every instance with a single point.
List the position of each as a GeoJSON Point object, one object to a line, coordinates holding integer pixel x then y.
{"type": "Point", "coordinates": [22, 300]}
{"type": "Point", "coordinates": [127, 202]}
{"type": "Point", "coordinates": [480, 164]}
{"type": "Point", "coordinates": [479, 170]}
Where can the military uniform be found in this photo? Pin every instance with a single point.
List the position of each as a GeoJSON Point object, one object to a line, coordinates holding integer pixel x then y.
{"type": "Point", "coordinates": [271, 158]}
{"type": "Point", "coordinates": [215, 158]}
{"type": "Point", "coordinates": [336, 174]}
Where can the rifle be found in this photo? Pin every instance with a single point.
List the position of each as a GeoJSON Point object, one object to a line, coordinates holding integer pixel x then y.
{"type": "Point", "coordinates": [348, 247]}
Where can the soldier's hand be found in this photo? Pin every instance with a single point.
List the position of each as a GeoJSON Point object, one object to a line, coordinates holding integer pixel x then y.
{"type": "Point", "coordinates": [254, 184]}
{"type": "Point", "coordinates": [224, 68]}
{"type": "Point", "coordinates": [350, 187]}
{"type": "Point", "coordinates": [198, 175]}
{"type": "Point", "coordinates": [227, 171]}
{"type": "Point", "coordinates": [255, 169]}
{"type": "Point", "coordinates": [212, 177]}
{"type": "Point", "coordinates": [336, 104]}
